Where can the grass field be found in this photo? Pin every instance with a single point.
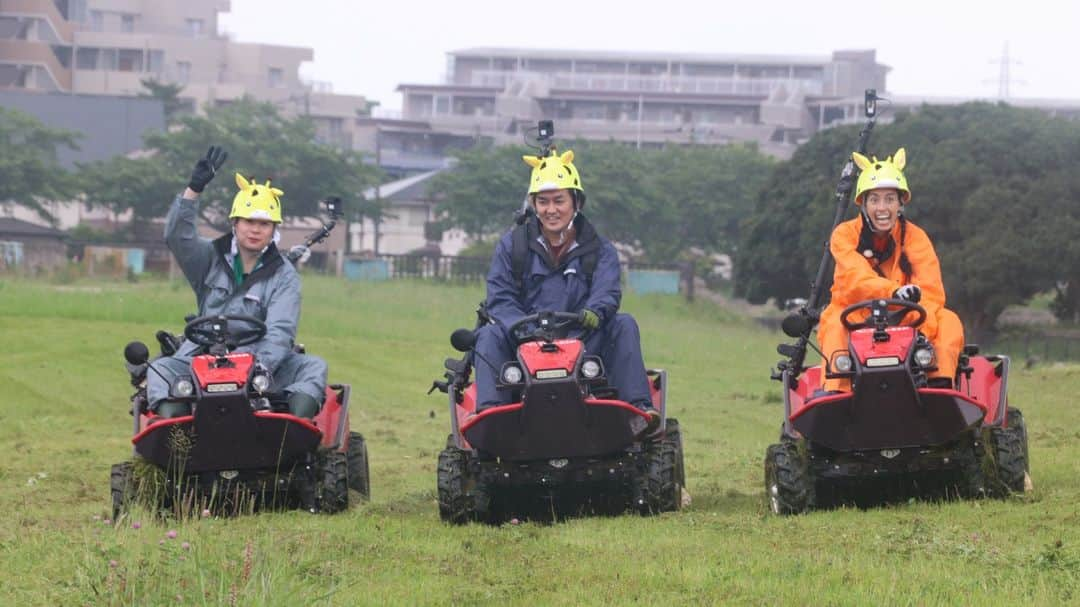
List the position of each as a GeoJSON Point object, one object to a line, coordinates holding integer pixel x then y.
{"type": "Point", "coordinates": [63, 421]}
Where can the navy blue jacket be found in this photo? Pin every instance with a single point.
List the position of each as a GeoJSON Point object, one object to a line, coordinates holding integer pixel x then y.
{"type": "Point", "coordinates": [561, 288]}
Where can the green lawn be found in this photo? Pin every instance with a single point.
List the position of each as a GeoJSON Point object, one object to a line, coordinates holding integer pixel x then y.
{"type": "Point", "coordinates": [63, 421]}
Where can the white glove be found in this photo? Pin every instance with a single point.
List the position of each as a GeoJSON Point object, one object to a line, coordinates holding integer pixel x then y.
{"type": "Point", "coordinates": [299, 253]}
{"type": "Point", "coordinates": [910, 293]}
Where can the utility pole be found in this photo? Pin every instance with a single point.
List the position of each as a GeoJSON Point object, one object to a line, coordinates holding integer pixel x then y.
{"type": "Point", "coordinates": [640, 112]}
{"type": "Point", "coordinates": [377, 216]}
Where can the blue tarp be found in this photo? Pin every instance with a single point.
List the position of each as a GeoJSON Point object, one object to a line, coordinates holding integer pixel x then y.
{"type": "Point", "coordinates": [653, 281]}
{"type": "Point", "coordinates": [136, 260]}
{"type": "Point", "coordinates": [367, 269]}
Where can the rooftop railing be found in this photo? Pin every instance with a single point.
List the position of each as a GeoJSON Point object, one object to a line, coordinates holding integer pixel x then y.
{"type": "Point", "coordinates": [702, 85]}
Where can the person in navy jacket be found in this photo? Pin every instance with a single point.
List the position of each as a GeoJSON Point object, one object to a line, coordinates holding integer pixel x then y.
{"type": "Point", "coordinates": [568, 267]}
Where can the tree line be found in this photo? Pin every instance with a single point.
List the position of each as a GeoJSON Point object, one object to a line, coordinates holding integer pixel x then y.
{"type": "Point", "coordinates": [262, 143]}
{"type": "Point", "coordinates": [993, 185]}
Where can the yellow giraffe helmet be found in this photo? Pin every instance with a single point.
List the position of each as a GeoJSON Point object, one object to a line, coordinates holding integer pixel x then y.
{"type": "Point", "coordinates": [554, 172]}
{"type": "Point", "coordinates": [877, 174]}
{"type": "Point", "coordinates": [255, 201]}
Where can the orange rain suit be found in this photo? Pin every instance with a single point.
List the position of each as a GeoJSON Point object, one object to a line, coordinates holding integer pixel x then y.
{"type": "Point", "coordinates": [855, 280]}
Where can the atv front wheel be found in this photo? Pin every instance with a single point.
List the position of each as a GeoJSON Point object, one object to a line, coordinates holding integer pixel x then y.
{"type": "Point", "coordinates": [1009, 446]}
{"type": "Point", "coordinates": [457, 488]}
{"type": "Point", "coordinates": [334, 491]}
{"type": "Point", "coordinates": [359, 477]}
{"type": "Point", "coordinates": [788, 484]}
{"type": "Point", "coordinates": [122, 488]}
{"type": "Point", "coordinates": [661, 489]}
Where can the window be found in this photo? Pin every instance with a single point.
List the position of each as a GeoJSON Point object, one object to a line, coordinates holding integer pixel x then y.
{"type": "Point", "coordinates": [97, 21]}
{"type": "Point", "coordinates": [127, 23]}
{"type": "Point", "coordinates": [183, 71]}
{"type": "Point", "coordinates": [442, 104]}
{"type": "Point", "coordinates": [275, 78]}
{"type": "Point", "coordinates": [108, 59]}
{"type": "Point", "coordinates": [86, 59]}
{"type": "Point", "coordinates": [194, 27]}
{"type": "Point", "coordinates": [129, 60]}
{"type": "Point", "coordinates": [156, 61]}
{"type": "Point", "coordinates": [11, 253]}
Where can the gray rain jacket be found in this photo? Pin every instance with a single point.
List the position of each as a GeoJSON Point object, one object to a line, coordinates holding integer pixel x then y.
{"type": "Point", "coordinates": [271, 292]}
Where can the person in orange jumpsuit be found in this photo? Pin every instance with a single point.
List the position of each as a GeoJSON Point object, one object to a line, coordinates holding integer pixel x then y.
{"type": "Point", "coordinates": [881, 254]}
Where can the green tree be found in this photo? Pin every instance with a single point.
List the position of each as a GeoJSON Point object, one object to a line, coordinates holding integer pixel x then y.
{"type": "Point", "coordinates": [990, 183]}
{"type": "Point", "coordinates": [30, 174]}
{"type": "Point", "coordinates": [484, 189]}
{"type": "Point", "coordinates": [664, 202]}
{"type": "Point", "coordinates": [168, 94]}
{"type": "Point", "coordinates": [261, 143]}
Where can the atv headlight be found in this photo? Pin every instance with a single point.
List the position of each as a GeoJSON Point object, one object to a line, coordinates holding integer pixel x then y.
{"type": "Point", "coordinates": [512, 374]}
{"type": "Point", "coordinates": [842, 363]}
{"type": "Point", "coordinates": [590, 369]}
{"type": "Point", "coordinates": [924, 357]}
{"type": "Point", "coordinates": [183, 387]}
{"type": "Point", "coordinates": [261, 382]}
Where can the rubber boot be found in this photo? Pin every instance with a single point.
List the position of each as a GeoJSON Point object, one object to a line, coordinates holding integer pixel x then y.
{"type": "Point", "coordinates": [303, 405]}
{"type": "Point", "coordinates": [172, 408]}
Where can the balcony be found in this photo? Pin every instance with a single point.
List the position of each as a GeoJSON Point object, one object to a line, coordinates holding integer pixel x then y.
{"type": "Point", "coordinates": [40, 9]}
{"type": "Point", "coordinates": [636, 84]}
{"type": "Point", "coordinates": [36, 54]}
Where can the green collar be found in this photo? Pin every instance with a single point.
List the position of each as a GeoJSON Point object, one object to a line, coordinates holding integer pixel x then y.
{"type": "Point", "coordinates": [238, 268]}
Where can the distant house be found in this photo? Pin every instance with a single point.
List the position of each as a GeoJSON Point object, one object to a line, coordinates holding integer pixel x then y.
{"type": "Point", "coordinates": [28, 247]}
{"type": "Point", "coordinates": [407, 225]}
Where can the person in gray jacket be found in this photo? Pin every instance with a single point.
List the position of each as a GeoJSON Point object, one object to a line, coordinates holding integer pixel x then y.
{"type": "Point", "coordinates": [241, 273]}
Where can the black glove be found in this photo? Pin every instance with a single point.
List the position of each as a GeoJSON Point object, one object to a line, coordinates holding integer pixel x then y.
{"type": "Point", "coordinates": [910, 293]}
{"type": "Point", "coordinates": [207, 167]}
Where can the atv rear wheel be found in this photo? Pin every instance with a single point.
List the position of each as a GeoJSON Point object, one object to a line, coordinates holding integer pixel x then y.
{"type": "Point", "coordinates": [788, 484]}
{"type": "Point", "coordinates": [122, 488]}
{"type": "Point", "coordinates": [334, 491]}
{"type": "Point", "coordinates": [458, 498]}
{"type": "Point", "coordinates": [1009, 446]}
{"type": "Point", "coordinates": [674, 436]}
{"type": "Point", "coordinates": [359, 477]}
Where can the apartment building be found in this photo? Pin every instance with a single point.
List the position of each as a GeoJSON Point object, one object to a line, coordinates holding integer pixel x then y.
{"type": "Point", "coordinates": [645, 98]}
{"type": "Point", "coordinates": [107, 47]}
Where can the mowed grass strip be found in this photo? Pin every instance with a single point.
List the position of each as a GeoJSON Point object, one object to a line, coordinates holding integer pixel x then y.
{"type": "Point", "coordinates": [63, 421]}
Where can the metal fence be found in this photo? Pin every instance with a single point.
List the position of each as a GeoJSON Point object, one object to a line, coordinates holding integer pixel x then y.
{"type": "Point", "coordinates": [642, 277]}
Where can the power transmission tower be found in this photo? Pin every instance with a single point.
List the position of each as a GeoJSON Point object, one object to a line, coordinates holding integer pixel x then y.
{"type": "Point", "coordinates": [1005, 79]}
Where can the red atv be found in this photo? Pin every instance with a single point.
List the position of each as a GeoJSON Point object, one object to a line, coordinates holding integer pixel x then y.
{"type": "Point", "coordinates": [565, 445]}
{"type": "Point", "coordinates": [893, 436]}
{"type": "Point", "coordinates": [240, 449]}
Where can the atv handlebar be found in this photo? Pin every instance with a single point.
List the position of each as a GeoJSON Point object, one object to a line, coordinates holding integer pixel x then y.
{"type": "Point", "coordinates": [208, 331]}
{"type": "Point", "coordinates": [880, 314]}
{"type": "Point", "coordinates": [548, 325]}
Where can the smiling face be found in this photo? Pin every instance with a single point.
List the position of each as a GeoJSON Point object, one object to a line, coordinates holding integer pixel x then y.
{"type": "Point", "coordinates": [555, 208]}
{"type": "Point", "coordinates": [253, 235]}
{"type": "Point", "coordinates": [883, 208]}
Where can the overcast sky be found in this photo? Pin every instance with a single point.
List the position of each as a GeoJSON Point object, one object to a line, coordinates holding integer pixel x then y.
{"type": "Point", "coordinates": [935, 48]}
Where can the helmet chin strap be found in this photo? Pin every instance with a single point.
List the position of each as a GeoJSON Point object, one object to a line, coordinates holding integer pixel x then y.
{"type": "Point", "coordinates": [564, 231]}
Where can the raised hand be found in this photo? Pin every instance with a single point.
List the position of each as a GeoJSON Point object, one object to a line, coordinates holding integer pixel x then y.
{"type": "Point", "coordinates": [207, 167]}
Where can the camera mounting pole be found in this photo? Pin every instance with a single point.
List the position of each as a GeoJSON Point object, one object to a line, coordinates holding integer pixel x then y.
{"type": "Point", "coordinates": [802, 322]}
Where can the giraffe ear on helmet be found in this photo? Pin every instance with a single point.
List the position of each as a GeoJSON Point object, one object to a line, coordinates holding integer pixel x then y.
{"type": "Point", "coordinates": [242, 183]}
{"type": "Point", "coordinates": [900, 159]}
{"type": "Point", "coordinates": [567, 157]}
{"type": "Point", "coordinates": [861, 161]}
{"type": "Point", "coordinates": [531, 160]}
